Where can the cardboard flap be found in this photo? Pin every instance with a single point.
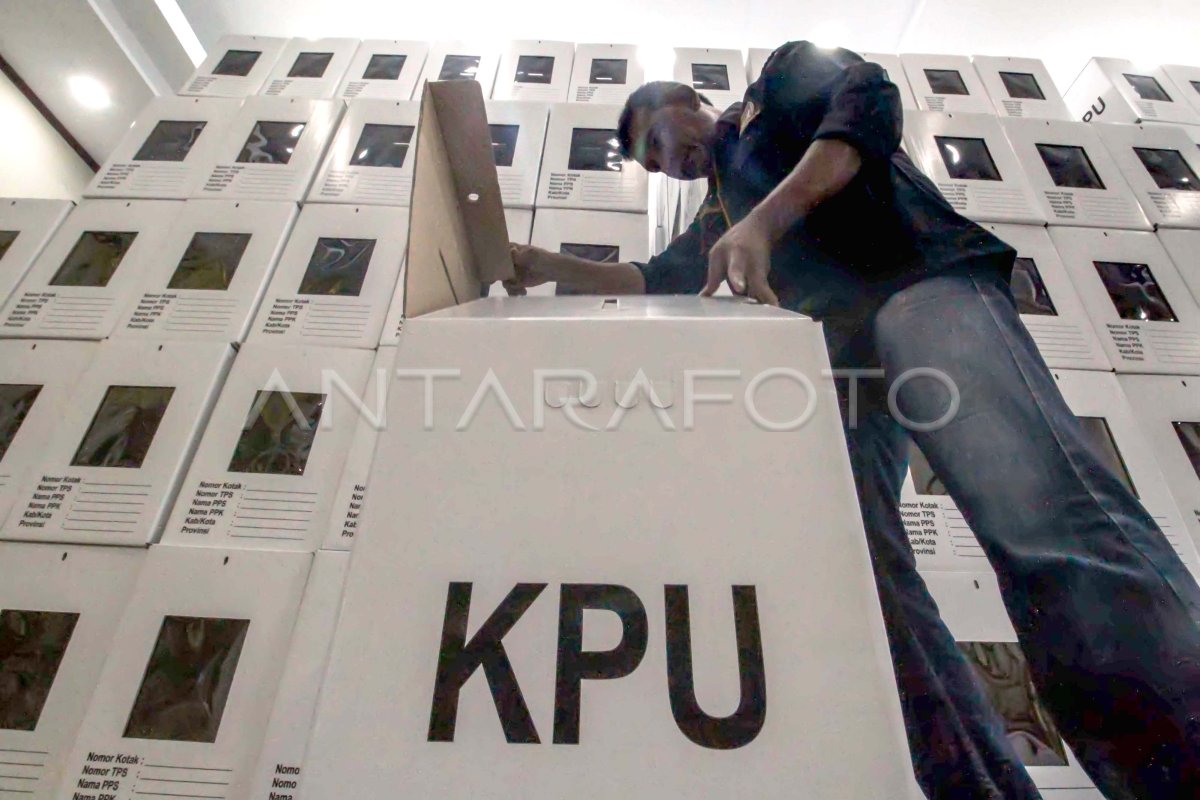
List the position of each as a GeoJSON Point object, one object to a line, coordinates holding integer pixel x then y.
{"type": "Point", "coordinates": [457, 239]}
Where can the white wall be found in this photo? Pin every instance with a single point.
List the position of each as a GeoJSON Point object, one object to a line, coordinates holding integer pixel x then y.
{"type": "Point", "coordinates": [34, 160]}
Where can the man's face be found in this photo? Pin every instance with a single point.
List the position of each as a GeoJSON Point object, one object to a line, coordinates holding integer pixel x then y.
{"type": "Point", "coordinates": [676, 139]}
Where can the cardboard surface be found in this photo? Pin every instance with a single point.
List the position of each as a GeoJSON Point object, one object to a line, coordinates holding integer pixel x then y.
{"type": "Point", "coordinates": [988, 184]}
{"type": "Point", "coordinates": [88, 271]}
{"type": "Point", "coordinates": [1050, 307]}
{"type": "Point", "coordinates": [280, 767]}
{"type": "Point", "coordinates": [457, 240]}
{"type": "Point", "coordinates": [582, 166]}
{"type": "Point", "coordinates": [182, 703]}
{"type": "Point", "coordinates": [110, 471]}
{"type": "Point", "coordinates": [941, 537]}
{"type": "Point", "coordinates": [605, 73]}
{"type": "Point", "coordinates": [894, 69]}
{"type": "Point", "coordinates": [1116, 90]}
{"type": "Point", "coordinates": [38, 381]}
{"type": "Point", "coordinates": [1183, 246]}
{"type": "Point", "coordinates": [310, 68]}
{"type": "Point", "coordinates": [1187, 81]}
{"type": "Point", "coordinates": [452, 61]}
{"type": "Point", "coordinates": [272, 149]}
{"type": "Point", "coordinates": [562, 525]}
{"type": "Point", "coordinates": [60, 607]}
{"type": "Point", "coordinates": [165, 154]}
{"type": "Point", "coordinates": [1020, 87]}
{"type": "Point", "coordinates": [1073, 176]}
{"type": "Point", "coordinates": [946, 84]}
{"type": "Point", "coordinates": [1144, 315]}
{"type": "Point", "coordinates": [206, 280]}
{"type": "Point", "coordinates": [236, 67]}
{"type": "Point", "coordinates": [384, 69]}
{"type": "Point", "coordinates": [370, 161]}
{"type": "Point", "coordinates": [535, 70]}
{"type": "Point", "coordinates": [972, 609]}
{"type": "Point", "coordinates": [1163, 169]}
{"type": "Point", "coordinates": [25, 228]}
{"type": "Point", "coordinates": [267, 469]}
{"type": "Point", "coordinates": [334, 280]}
{"type": "Point", "coordinates": [719, 75]}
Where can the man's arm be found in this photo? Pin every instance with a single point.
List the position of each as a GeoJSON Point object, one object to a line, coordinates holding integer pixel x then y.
{"type": "Point", "coordinates": [536, 266]}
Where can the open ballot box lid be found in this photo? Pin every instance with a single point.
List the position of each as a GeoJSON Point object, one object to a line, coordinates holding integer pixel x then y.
{"type": "Point", "coordinates": [577, 518]}
{"type": "Point", "coordinates": [457, 236]}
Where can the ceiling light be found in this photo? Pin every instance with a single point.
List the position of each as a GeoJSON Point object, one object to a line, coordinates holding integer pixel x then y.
{"type": "Point", "coordinates": [89, 92]}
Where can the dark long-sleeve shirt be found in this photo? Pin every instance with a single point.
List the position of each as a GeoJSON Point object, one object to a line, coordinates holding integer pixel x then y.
{"type": "Point", "coordinates": [888, 229]}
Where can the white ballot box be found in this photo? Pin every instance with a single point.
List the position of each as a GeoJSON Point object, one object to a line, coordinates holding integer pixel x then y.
{"type": "Point", "coordinates": [1183, 246]}
{"type": "Point", "coordinates": [112, 467]}
{"type": "Point", "coordinates": [1050, 307]}
{"type": "Point", "coordinates": [368, 161]}
{"type": "Point", "coordinates": [756, 59]}
{"type": "Point", "coordinates": [25, 228]}
{"type": "Point", "coordinates": [608, 237]}
{"type": "Point", "coordinates": [942, 538]}
{"type": "Point", "coordinates": [167, 151]}
{"type": "Point", "coordinates": [237, 67]}
{"type": "Point", "coordinates": [280, 769]}
{"type": "Point", "coordinates": [1116, 90]}
{"type": "Point", "coordinates": [182, 703]}
{"type": "Point", "coordinates": [582, 166]}
{"type": "Point", "coordinates": [38, 381]}
{"type": "Point", "coordinates": [518, 133]}
{"type": "Point", "coordinates": [1020, 87]}
{"type": "Point", "coordinates": [59, 609]}
{"type": "Point", "coordinates": [973, 165]}
{"type": "Point", "coordinates": [461, 61]}
{"type": "Point", "coordinates": [351, 495]}
{"type": "Point", "coordinates": [974, 612]}
{"type": "Point", "coordinates": [1140, 307]}
{"type": "Point", "coordinates": [88, 270]}
{"type": "Point", "coordinates": [605, 73]}
{"type": "Point", "coordinates": [946, 83]}
{"type": "Point", "coordinates": [893, 70]}
{"type": "Point", "coordinates": [1168, 409]}
{"type": "Point", "coordinates": [310, 68]}
{"type": "Point", "coordinates": [335, 278]}
{"type": "Point", "coordinates": [1187, 81]}
{"type": "Point", "coordinates": [266, 471]}
{"type": "Point", "coordinates": [605, 561]}
{"type": "Point", "coordinates": [206, 279]}
{"type": "Point", "coordinates": [384, 69]}
{"type": "Point", "coordinates": [271, 150]}
{"type": "Point", "coordinates": [536, 70]}
{"type": "Point", "coordinates": [719, 75]}
{"type": "Point", "coordinates": [1072, 174]}
{"type": "Point", "coordinates": [1162, 167]}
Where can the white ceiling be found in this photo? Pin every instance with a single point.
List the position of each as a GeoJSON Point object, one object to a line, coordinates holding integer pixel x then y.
{"type": "Point", "coordinates": [1063, 33]}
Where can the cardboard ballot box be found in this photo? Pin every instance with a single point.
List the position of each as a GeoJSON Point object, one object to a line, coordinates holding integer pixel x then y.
{"type": "Point", "coordinates": [582, 166]}
{"type": "Point", "coordinates": [1187, 81]}
{"type": "Point", "coordinates": [1163, 169]}
{"type": "Point", "coordinates": [1116, 90]}
{"type": "Point", "coordinates": [59, 609]}
{"type": "Point", "coordinates": [605, 73]}
{"type": "Point", "coordinates": [946, 83]}
{"type": "Point", "coordinates": [384, 69]}
{"type": "Point", "coordinates": [310, 68]}
{"type": "Point", "coordinates": [461, 61]}
{"type": "Point", "coordinates": [719, 75]}
{"type": "Point", "coordinates": [368, 161]}
{"type": "Point", "coordinates": [535, 70]}
{"type": "Point", "coordinates": [588, 545]}
{"type": "Point", "coordinates": [182, 703]}
{"type": "Point", "coordinates": [25, 228]}
{"type": "Point", "coordinates": [236, 67]}
{"type": "Point", "coordinates": [1020, 87]}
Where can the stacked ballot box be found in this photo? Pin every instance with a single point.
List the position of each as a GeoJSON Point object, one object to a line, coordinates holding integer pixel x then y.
{"type": "Point", "coordinates": [196, 361]}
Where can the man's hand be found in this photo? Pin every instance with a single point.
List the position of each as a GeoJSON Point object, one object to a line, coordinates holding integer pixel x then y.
{"type": "Point", "coordinates": [743, 257]}
{"type": "Point", "coordinates": [531, 267]}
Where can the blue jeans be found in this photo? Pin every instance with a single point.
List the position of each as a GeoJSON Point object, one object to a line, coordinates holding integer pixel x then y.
{"type": "Point", "coordinates": [1106, 613]}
